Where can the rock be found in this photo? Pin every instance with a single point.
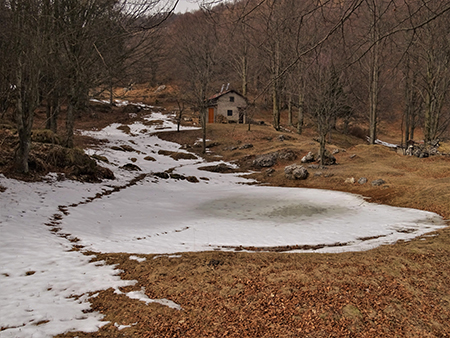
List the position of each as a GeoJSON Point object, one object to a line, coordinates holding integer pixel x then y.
{"type": "Point", "coordinates": [352, 156]}
{"type": "Point", "coordinates": [281, 138]}
{"type": "Point", "coordinates": [131, 167]}
{"type": "Point", "coordinates": [160, 88]}
{"type": "Point", "coordinates": [246, 146]}
{"type": "Point", "coordinates": [308, 158]}
{"type": "Point", "coordinates": [287, 155]}
{"type": "Point", "coordinates": [314, 166]}
{"type": "Point", "coordinates": [378, 182]}
{"type": "Point", "coordinates": [318, 174]}
{"type": "Point", "coordinates": [335, 151]}
{"type": "Point", "coordinates": [266, 160]}
{"type": "Point", "coordinates": [149, 158]}
{"type": "Point", "coordinates": [350, 180]}
{"type": "Point", "coordinates": [328, 158]}
{"type": "Point", "coordinates": [296, 172]}
{"type": "Point", "coordinates": [269, 172]}
{"type": "Point", "coordinates": [362, 180]}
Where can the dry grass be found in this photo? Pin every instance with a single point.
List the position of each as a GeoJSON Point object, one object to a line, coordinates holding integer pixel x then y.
{"type": "Point", "coordinates": [400, 290]}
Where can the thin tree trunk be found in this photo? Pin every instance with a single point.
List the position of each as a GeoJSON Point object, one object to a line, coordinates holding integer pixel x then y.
{"type": "Point", "coordinates": [300, 113]}
{"type": "Point", "coordinates": [290, 110]}
{"type": "Point", "coordinates": [24, 115]}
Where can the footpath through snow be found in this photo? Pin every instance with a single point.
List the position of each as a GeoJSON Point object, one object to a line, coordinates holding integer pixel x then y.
{"type": "Point", "coordinates": [45, 285]}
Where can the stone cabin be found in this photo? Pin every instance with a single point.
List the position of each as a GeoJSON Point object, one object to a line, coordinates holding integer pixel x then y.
{"type": "Point", "coordinates": [227, 106]}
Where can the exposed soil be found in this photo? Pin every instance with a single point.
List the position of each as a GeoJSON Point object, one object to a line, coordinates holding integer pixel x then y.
{"type": "Point", "coordinates": [400, 290]}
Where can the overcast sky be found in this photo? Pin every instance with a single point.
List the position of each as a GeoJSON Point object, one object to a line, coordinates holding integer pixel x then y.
{"type": "Point", "coordinates": [186, 5]}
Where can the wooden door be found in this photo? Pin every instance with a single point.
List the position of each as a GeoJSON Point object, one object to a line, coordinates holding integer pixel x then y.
{"type": "Point", "coordinates": [211, 115]}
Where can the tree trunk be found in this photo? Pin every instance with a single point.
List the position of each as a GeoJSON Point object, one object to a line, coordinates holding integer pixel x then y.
{"type": "Point", "coordinates": [203, 121]}
{"type": "Point", "coordinates": [322, 144]}
{"type": "Point", "coordinates": [276, 87]}
{"type": "Point", "coordinates": [300, 113]}
{"type": "Point", "coordinates": [290, 111]}
{"type": "Point", "coordinates": [70, 118]}
{"type": "Point", "coordinates": [374, 78]}
{"type": "Point", "coordinates": [24, 114]}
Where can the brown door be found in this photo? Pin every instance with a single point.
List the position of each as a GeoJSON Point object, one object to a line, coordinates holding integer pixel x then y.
{"type": "Point", "coordinates": [211, 115]}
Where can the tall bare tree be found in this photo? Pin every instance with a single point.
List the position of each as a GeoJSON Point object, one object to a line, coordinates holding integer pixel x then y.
{"type": "Point", "coordinates": [195, 45]}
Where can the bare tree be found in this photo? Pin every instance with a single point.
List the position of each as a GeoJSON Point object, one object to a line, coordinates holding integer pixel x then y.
{"type": "Point", "coordinates": [196, 46]}
{"type": "Point", "coordinates": [326, 99]}
{"type": "Point", "coordinates": [26, 39]}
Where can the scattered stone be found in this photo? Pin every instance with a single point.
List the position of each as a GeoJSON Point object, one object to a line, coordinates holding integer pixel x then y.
{"type": "Point", "coordinates": [246, 146]}
{"type": "Point", "coordinates": [318, 174]}
{"type": "Point", "coordinates": [378, 182]}
{"type": "Point", "coordinates": [328, 175]}
{"type": "Point", "coordinates": [266, 160]}
{"type": "Point", "coordinates": [352, 156]}
{"type": "Point", "coordinates": [269, 172]}
{"type": "Point", "coordinates": [287, 155]}
{"type": "Point", "coordinates": [281, 138]}
{"type": "Point", "coordinates": [350, 180]}
{"type": "Point", "coordinates": [296, 172]}
{"type": "Point", "coordinates": [131, 167]}
{"type": "Point", "coordinates": [328, 158]}
{"type": "Point", "coordinates": [160, 88]}
{"type": "Point", "coordinates": [212, 144]}
{"type": "Point", "coordinates": [362, 180]}
{"type": "Point", "coordinates": [308, 158]}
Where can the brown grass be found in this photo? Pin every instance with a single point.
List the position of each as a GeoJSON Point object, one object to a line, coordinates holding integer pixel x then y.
{"type": "Point", "coordinates": [399, 290]}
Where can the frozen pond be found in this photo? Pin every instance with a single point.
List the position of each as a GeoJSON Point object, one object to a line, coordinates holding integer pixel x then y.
{"type": "Point", "coordinates": [40, 274]}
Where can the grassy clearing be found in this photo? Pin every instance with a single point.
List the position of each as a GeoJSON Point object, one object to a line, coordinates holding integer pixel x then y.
{"type": "Point", "coordinates": [400, 290]}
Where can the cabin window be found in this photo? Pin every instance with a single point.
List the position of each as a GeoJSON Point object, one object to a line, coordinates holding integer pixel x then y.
{"type": "Point", "coordinates": [231, 98]}
{"type": "Point", "coordinates": [229, 112]}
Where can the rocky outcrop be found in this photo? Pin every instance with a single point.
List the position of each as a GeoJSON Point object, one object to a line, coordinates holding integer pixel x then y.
{"type": "Point", "coordinates": [266, 160]}
{"type": "Point", "coordinates": [270, 159]}
{"type": "Point", "coordinates": [308, 158]}
{"type": "Point", "coordinates": [296, 172]}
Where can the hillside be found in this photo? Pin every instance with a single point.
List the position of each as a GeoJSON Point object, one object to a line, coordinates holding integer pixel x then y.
{"type": "Point", "coordinates": [397, 290]}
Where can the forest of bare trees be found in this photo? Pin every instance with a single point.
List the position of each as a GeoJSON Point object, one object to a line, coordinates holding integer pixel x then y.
{"type": "Point", "coordinates": [328, 60]}
{"type": "Point", "coordinates": [387, 59]}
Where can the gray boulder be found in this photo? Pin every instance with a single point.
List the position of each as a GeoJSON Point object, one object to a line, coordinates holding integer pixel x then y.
{"type": "Point", "coordinates": [328, 158]}
{"type": "Point", "coordinates": [362, 180]}
{"type": "Point", "coordinates": [296, 172]}
{"type": "Point", "coordinates": [266, 160]}
{"type": "Point", "coordinates": [378, 182]}
{"type": "Point", "coordinates": [308, 158]}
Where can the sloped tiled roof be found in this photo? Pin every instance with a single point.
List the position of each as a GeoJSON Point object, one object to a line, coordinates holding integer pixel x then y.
{"type": "Point", "coordinates": [217, 95]}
